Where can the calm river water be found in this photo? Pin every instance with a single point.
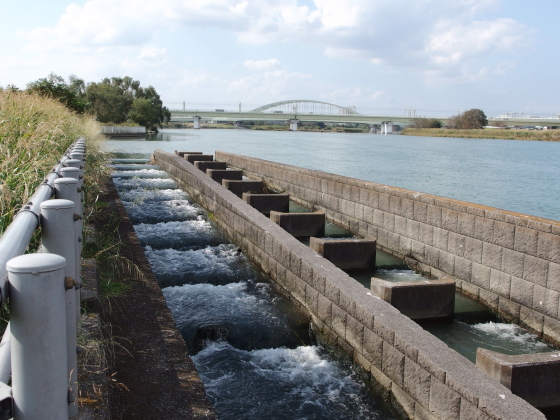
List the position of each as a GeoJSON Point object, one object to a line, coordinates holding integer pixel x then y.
{"type": "Point", "coordinates": [521, 176]}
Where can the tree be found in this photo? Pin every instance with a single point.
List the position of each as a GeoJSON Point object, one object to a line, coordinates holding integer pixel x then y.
{"type": "Point", "coordinates": [119, 99]}
{"type": "Point", "coordinates": [155, 115]}
{"type": "Point", "coordinates": [426, 123]}
{"type": "Point", "coordinates": [108, 103]}
{"type": "Point", "coordinates": [469, 120]}
{"type": "Point", "coordinates": [54, 86]}
{"type": "Point", "coordinates": [143, 113]}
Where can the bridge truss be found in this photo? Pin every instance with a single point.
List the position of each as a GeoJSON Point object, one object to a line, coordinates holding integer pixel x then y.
{"type": "Point", "coordinates": [305, 106]}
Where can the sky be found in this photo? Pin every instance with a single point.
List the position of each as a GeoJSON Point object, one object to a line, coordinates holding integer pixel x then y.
{"type": "Point", "coordinates": [439, 57]}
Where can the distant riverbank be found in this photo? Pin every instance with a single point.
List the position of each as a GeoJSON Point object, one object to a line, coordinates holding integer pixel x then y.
{"type": "Point", "coordinates": [275, 127]}
{"type": "Point", "coordinates": [493, 133]}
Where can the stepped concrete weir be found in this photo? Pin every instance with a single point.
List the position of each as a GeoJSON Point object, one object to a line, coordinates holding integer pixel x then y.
{"type": "Point", "coordinates": [220, 174]}
{"type": "Point", "coordinates": [205, 165]}
{"type": "Point", "coordinates": [347, 254]}
{"type": "Point", "coordinates": [509, 261]}
{"type": "Point", "coordinates": [300, 225]}
{"type": "Point", "coordinates": [182, 154]}
{"type": "Point", "coordinates": [427, 299]}
{"type": "Point", "coordinates": [243, 186]}
{"type": "Point", "coordinates": [534, 377]}
{"type": "Point", "coordinates": [265, 203]}
{"type": "Point", "coordinates": [192, 158]}
{"type": "Point", "coordinates": [420, 375]}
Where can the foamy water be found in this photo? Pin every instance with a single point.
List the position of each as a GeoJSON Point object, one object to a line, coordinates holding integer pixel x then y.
{"type": "Point", "coordinates": [179, 235]}
{"type": "Point", "coordinates": [243, 314]}
{"type": "Point", "coordinates": [133, 166]}
{"type": "Point", "coordinates": [162, 211]}
{"type": "Point", "coordinates": [221, 264]}
{"type": "Point", "coordinates": [398, 275]}
{"type": "Point", "coordinates": [514, 338]}
{"type": "Point", "coordinates": [281, 383]}
{"type": "Point", "coordinates": [142, 173]}
{"type": "Point", "coordinates": [141, 195]}
{"type": "Point", "coordinates": [154, 183]}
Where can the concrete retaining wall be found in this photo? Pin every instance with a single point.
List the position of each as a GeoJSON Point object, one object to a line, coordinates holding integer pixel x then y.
{"type": "Point", "coordinates": [418, 372]}
{"type": "Point", "coordinates": [509, 261]}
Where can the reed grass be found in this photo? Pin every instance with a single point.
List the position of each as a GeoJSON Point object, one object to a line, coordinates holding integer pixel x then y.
{"type": "Point", "coordinates": [494, 133]}
{"type": "Point", "coordinates": [34, 133]}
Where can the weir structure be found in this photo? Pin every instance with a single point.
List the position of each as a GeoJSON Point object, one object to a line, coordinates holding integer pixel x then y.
{"type": "Point", "coordinates": [421, 375]}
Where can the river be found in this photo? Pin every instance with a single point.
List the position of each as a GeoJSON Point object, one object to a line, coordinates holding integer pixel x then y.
{"type": "Point", "coordinates": [520, 176]}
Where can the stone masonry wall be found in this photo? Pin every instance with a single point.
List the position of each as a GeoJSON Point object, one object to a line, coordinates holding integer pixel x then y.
{"type": "Point", "coordinates": [419, 373]}
{"type": "Point", "coordinates": [507, 260]}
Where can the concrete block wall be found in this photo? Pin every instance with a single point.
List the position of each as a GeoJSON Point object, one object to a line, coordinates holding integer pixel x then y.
{"type": "Point", "coordinates": [419, 373]}
{"type": "Point", "coordinates": [509, 261]}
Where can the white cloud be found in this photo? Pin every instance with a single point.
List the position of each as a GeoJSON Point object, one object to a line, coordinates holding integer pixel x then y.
{"type": "Point", "coordinates": [475, 39]}
{"type": "Point", "coordinates": [150, 52]}
{"type": "Point", "coordinates": [271, 85]}
{"type": "Point", "coordinates": [432, 36]}
{"type": "Point", "coordinates": [261, 64]}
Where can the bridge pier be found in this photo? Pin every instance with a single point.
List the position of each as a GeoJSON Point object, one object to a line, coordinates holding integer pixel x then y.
{"type": "Point", "coordinates": [387, 127]}
{"type": "Point", "coordinates": [293, 124]}
{"type": "Point", "coordinates": [373, 129]}
{"type": "Point", "coordinates": [196, 121]}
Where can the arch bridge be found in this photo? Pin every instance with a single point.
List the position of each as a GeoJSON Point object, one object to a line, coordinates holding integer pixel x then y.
{"type": "Point", "coordinates": [305, 110]}
{"type": "Point", "coordinates": [306, 106]}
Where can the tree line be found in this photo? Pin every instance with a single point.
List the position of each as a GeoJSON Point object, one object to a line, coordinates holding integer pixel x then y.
{"type": "Point", "coordinates": [469, 120]}
{"type": "Point", "coordinates": [114, 100]}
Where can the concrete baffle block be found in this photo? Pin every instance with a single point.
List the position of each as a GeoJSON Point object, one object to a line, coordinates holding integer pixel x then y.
{"type": "Point", "coordinates": [194, 157]}
{"type": "Point", "coordinates": [219, 174]}
{"type": "Point", "coordinates": [205, 165]}
{"type": "Point", "coordinates": [300, 225]}
{"type": "Point", "coordinates": [182, 154]}
{"type": "Point", "coordinates": [243, 186]}
{"type": "Point", "coordinates": [418, 299]}
{"type": "Point", "coordinates": [265, 203]}
{"type": "Point", "coordinates": [348, 254]}
{"type": "Point", "coordinates": [533, 377]}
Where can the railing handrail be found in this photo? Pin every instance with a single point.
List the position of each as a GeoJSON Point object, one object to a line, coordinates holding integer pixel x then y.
{"type": "Point", "coordinates": [16, 237]}
{"type": "Point", "coordinates": [13, 243]}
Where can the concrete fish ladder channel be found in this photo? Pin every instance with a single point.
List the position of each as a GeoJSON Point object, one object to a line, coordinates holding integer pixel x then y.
{"type": "Point", "coordinates": [251, 346]}
{"type": "Point", "coordinates": [422, 376]}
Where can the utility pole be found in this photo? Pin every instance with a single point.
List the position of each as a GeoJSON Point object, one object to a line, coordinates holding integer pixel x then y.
{"type": "Point", "coordinates": [183, 106]}
{"type": "Point", "coordinates": [239, 106]}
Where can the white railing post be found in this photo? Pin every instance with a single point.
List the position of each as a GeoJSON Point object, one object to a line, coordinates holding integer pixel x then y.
{"type": "Point", "coordinates": [75, 163]}
{"type": "Point", "coordinates": [57, 236]}
{"type": "Point", "coordinates": [38, 326]}
{"type": "Point", "coordinates": [67, 189]}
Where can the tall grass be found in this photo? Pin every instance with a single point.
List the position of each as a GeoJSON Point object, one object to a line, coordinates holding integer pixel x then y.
{"type": "Point", "coordinates": [34, 133]}
{"type": "Point", "coordinates": [536, 135]}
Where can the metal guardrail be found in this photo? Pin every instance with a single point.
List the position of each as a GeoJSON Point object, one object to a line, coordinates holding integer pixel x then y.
{"type": "Point", "coordinates": [42, 360]}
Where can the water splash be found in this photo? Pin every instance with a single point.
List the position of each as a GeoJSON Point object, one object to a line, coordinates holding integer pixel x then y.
{"type": "Point", "coordinates": [243, 310]}
{"type": "Point", "coordinates": [398, 275]}
{"type": "Point", "coordinates": [281, 383]}
{"type": "Point", "coordinates": [182, 236]}
{"type": "Point", "coordinates": [141, 195]}
{"type": "Point", "coordinates": [132, 166]}
{"type": "Point", "coordinates": [153, 183]}
{"type": "Point", "coordinates": [222, 264]}
{"type": "Point", "coordinates": [162, 211]}
{"type": "Point", "coordinates": [510, 338]}
{"type": "Point", "coordinates": [141, 173]}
